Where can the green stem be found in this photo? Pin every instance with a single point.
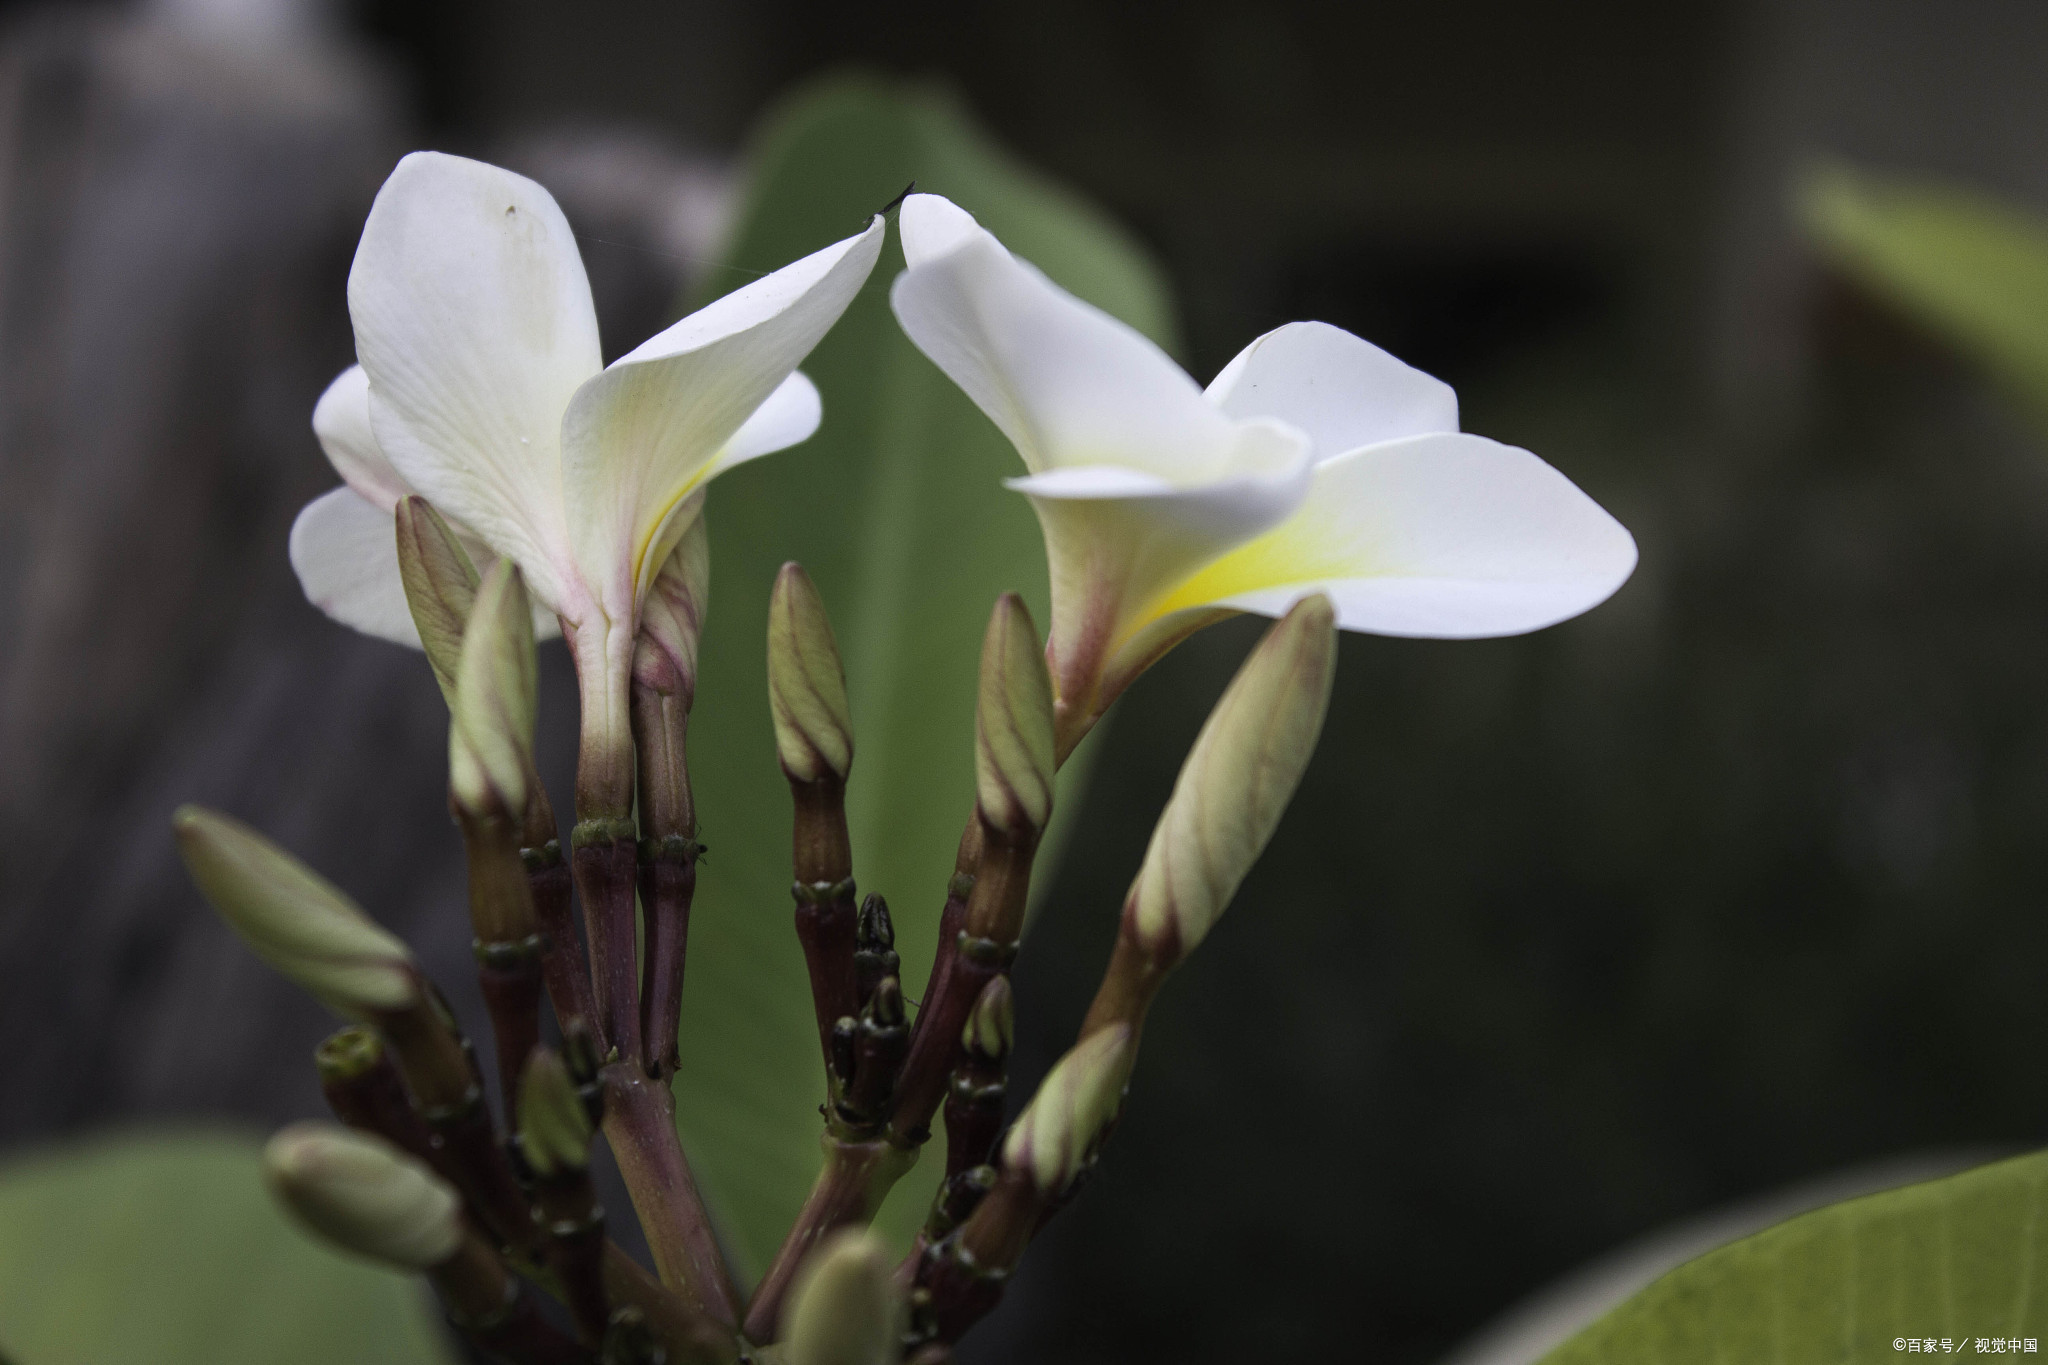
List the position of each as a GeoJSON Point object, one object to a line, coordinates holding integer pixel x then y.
{"type": "Point", "coordinates": [856, 1178]}
{"type": "Point", "coordinates": [639, 1123]}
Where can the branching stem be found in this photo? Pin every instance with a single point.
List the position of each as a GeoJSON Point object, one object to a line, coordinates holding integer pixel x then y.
{"type": "Point", "coordinates": [639, 1123]}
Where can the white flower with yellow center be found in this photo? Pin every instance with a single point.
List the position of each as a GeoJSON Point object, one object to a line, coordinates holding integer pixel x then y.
{"type": "Point", "coordinates": [1315, 462]}
{"type": "Point", "coordinates": [481, 388]}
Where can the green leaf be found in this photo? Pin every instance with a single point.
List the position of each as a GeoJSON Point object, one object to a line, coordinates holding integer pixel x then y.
{"type": "Point", "coordinates": [1960, 1258]}
{"type": "Point", "coordinates": [163, 1249]}
{"type": "Point", "coordinates": [1971, 268]}
{"type": "Point", "coordinates": [897, 510]}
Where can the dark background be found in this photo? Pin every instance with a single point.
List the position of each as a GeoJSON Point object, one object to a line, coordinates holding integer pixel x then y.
{"type": "Point", "coordinates": [1733, 882]}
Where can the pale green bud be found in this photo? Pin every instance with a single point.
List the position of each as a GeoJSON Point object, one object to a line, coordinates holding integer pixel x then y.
{"type": "Point", "coordinates": [1013, 750]}
{"type": "Point", "coordinates": [1236, 781]}
{"type": "Point", "coordinates": [554, 1127]}
{"type": "Point", "coordinates": [844, 1308]}
{"type": "Point", "coordinates": [364, 1195]}
{"type": "Point", "coordinates": [992, 1023]}
{"type": "Point", "coordinates": [490, 731]}
{"type": "Point", "coordinates": [672, 617]}
{"type": "Point", "coordinates": [806, 684]}
{"type": "Point", "coordinates": [440, 586]}
{"type": "Point", "coordinates": [1075, 1104]}
{"type": "Point", "coordinates": [294, 919]}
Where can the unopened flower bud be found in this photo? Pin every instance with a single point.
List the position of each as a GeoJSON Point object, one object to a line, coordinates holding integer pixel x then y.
{"type": "Point", "coordinates": [1013, 735]}
{"type": "Point", "coordinates": [991, 1025]}
{"type": "Point", "coordinates": [806, 684]}
{"type": "Point", "coordinates": [874, 947]}
{"type": "Point", "coordinates": [294, 919]}
{"type": "Point", "coordinates": [554, 1125]}
{"type": "Point", "coordinates": [490, 733]}
{"type": "Point", "coordinates": [1074, 1106]}
{"type": "Point", "coordinates": [440, 585]}
{"type": "Point", "coordinates": [844, 1308]}
{"type": "Point", "coordinates": [1237, 780]}
{"type": "Point", "coordinates": [672, 617]}
{"type": "Point", "coordinates": [364, 1195]}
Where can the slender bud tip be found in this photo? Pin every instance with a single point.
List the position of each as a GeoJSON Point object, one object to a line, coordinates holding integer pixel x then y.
{"type": "Point", "coordinates": [364, 1195]}
{"type": "Point", "coordinates": [1013, 724]}
{"type": "Point", "coordinates": [806, 682]}
{"type": "Point", "coordinates": [875, 930]}
{"type": "Point", "coordinates": [295, 919]}
{"type": "Point", "coordinates": [554, 1128]}
{"type": "Point", "coordinates": [991, 1024]}
{"type": "Point", "coordinates": [845, 1308]}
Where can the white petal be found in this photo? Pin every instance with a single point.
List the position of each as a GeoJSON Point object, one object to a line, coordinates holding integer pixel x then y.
{"type": "Point", "coordinates": [1450, 536]}
{"type": "Point", "coordinates": [473, 319]}
{"type": "Point", "coordinates": [790, 415]}
{"type": "Point", "coordinates": [1065, 381]}
{"type": "Point", "coordinates": [932, 225]}
{"type": "Point", "coordinates": [1343, 391]}
{"type": "Point", "coordinates": [341, 420]}
{"type": "Point", "coordinates": [1118, 539]}
{"type": "Point", "coordinates": [641, 436]}
{"type": "Point", "coordinates": [345, 551]}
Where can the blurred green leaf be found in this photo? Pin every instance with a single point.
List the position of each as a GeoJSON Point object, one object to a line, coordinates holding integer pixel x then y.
{"type": "Point", "coordinates": [165, 1249]}
{"type": "Point", "coordinates": [1971, 268]}
{"type": "Point", "coordinates": [897, 510]}
{"type": "Point", "coordinates": [1961, 1257]}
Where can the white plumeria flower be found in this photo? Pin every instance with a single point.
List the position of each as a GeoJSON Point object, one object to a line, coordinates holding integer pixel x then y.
{"type": "Point", "coordinates": [1315, 462]}
{"type": "Point", "coordinates": [481, 389]}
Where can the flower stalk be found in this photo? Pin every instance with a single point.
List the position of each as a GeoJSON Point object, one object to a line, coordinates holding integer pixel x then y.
{"type": "Point", "coordinates": [663, 690]}
{"type": "Point", "coordinates": [490, 790]}
{"type": "Point", "coordinates": [554, 1137]}
{"type": "Point", "coordinates": [1013, 782]}
{"type": "Point", "coordinates": [365, 1092]}
{"type": "Point", "coordinates": [441, 585]}
{"type": "Point", "coordinates": [1014, 768]}
{"type": "Point", "coordinates": [1226, 803]}
{"type": "Point", "coordinates": [640, 1126]}
{"type": "Point", "coordinates": [975, 1096]}
{"type": "Point", "coordinates": [605, 861]}
{"type": "Point", "coordinates": [814, 745]}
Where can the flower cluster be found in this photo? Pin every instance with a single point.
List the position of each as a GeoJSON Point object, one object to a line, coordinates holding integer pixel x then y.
{"type": "Point", "coordinates": [502, 486]}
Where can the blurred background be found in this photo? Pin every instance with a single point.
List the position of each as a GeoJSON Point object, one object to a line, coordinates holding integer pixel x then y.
{"type": "Point", "coordinates": [1733, 883]}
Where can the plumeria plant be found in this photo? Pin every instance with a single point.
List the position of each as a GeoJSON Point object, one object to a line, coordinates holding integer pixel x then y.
{"type": "Point", "coordinates": [501, 485]}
